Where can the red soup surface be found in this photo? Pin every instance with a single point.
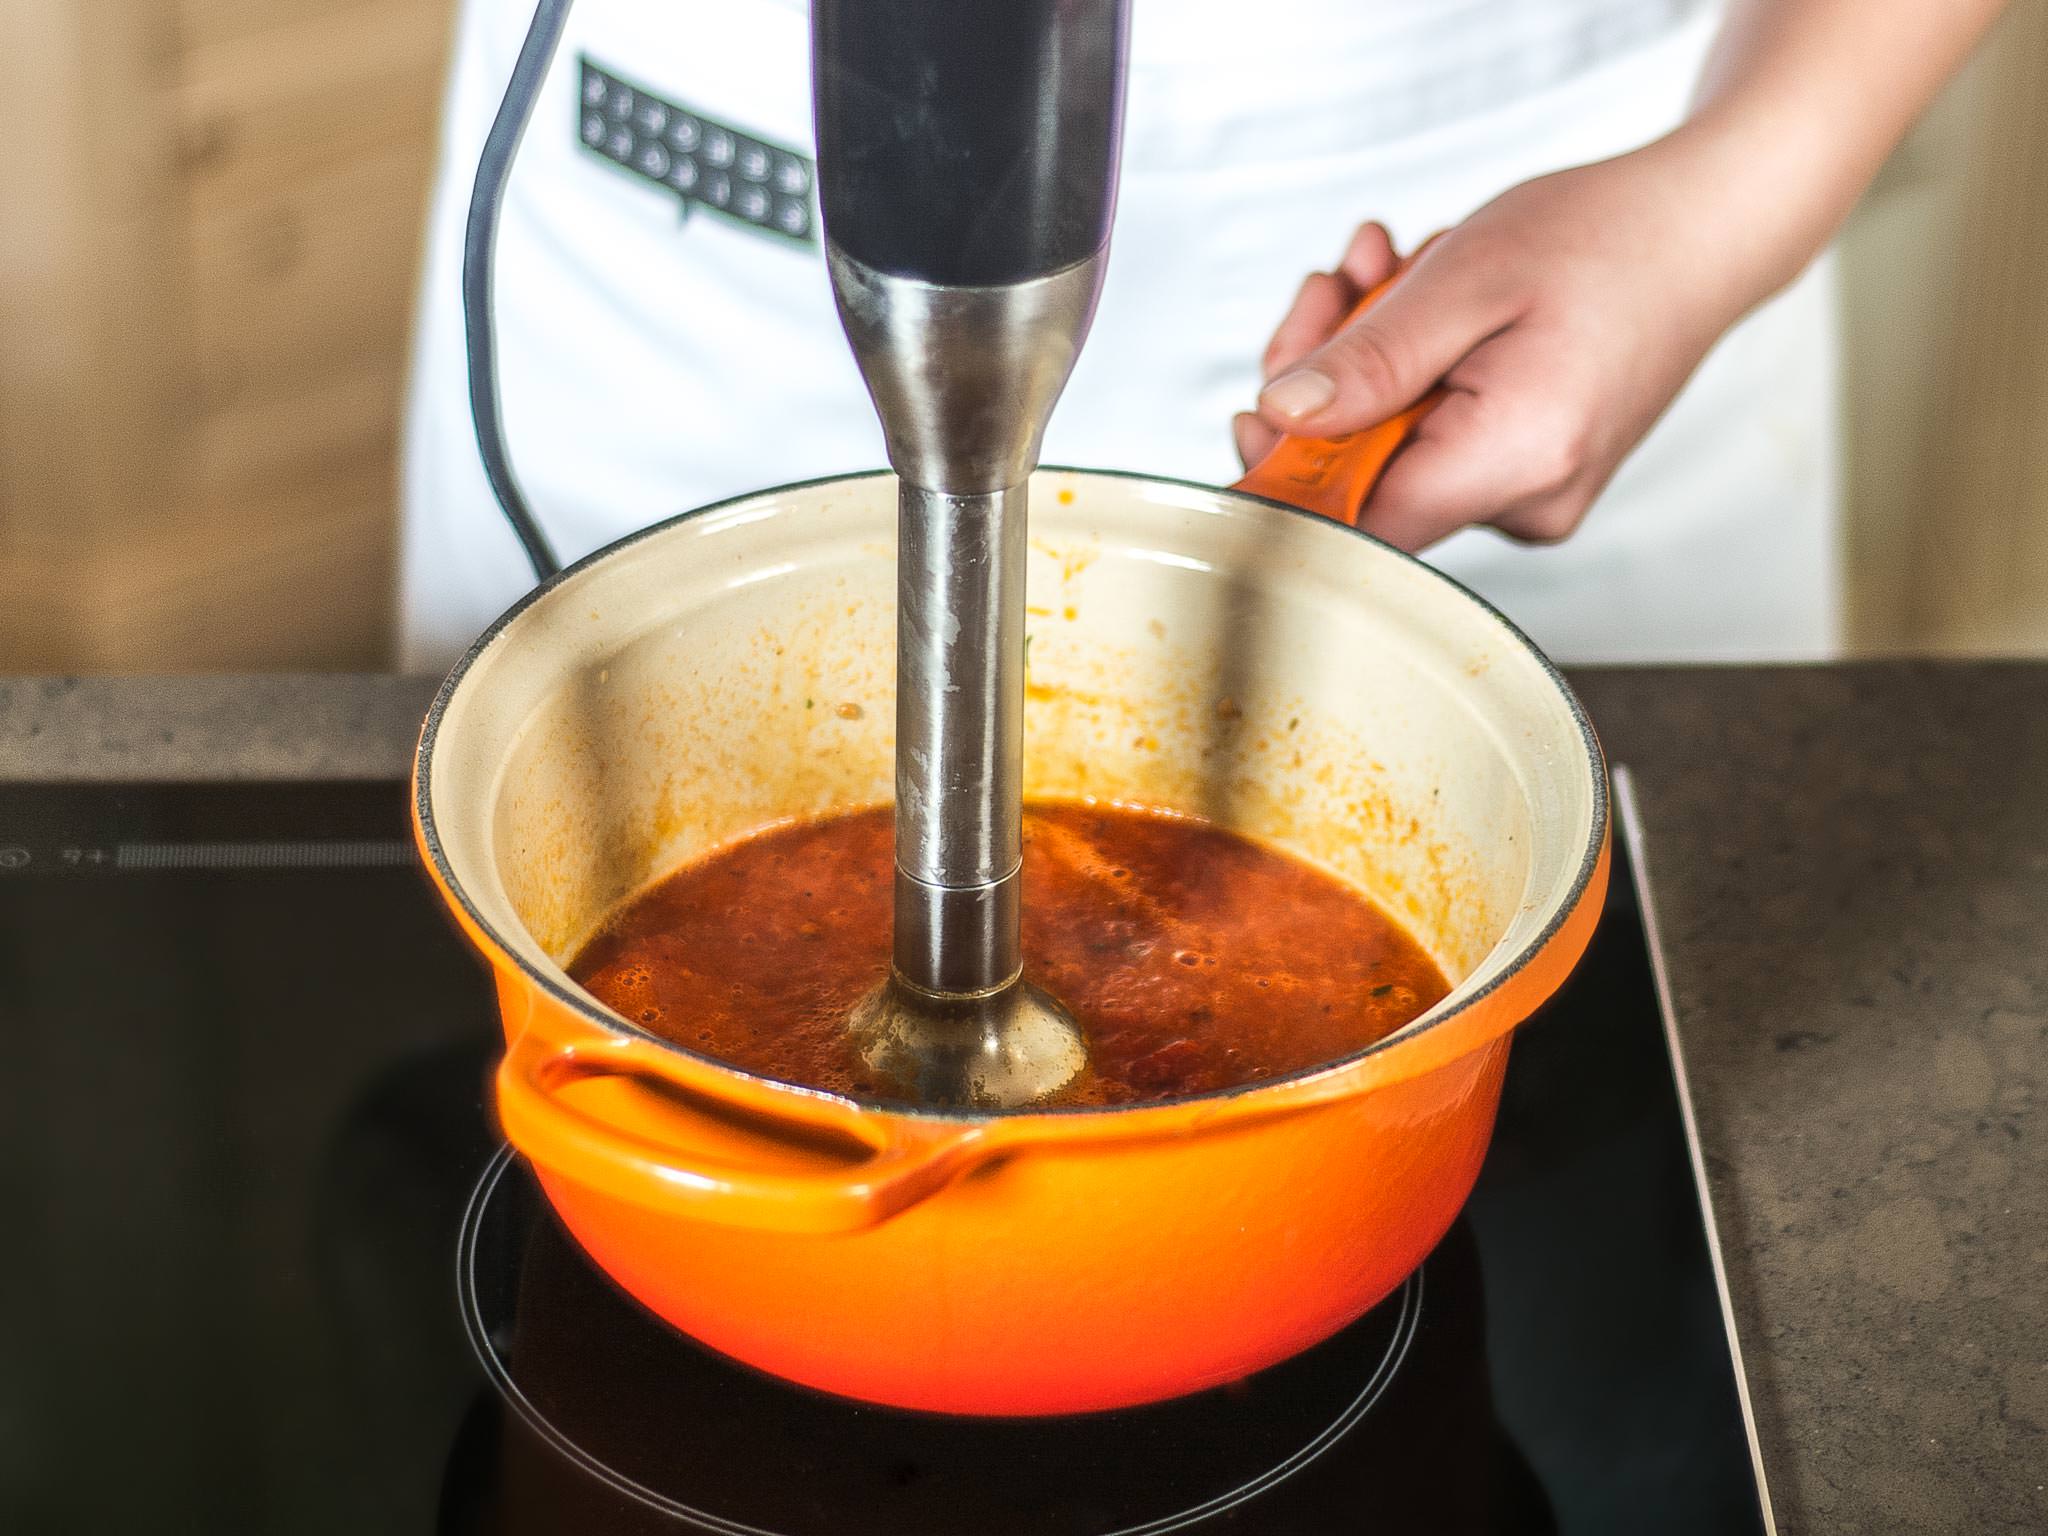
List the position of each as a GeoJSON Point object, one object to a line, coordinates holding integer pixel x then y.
{"type": "Point", "coordinates": [1193, 958]}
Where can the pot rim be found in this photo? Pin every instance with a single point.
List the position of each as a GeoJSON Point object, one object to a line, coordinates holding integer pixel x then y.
{"type": "Point", "coordinates": [1591, 857]}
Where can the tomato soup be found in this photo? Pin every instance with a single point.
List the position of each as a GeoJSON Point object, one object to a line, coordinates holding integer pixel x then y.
{"type": "Point", "coordinates": [1193, 959]}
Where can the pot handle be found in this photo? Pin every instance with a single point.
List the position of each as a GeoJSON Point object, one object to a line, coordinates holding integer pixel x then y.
{"type": "Point", "coordinates": [795, 1168]}
{"type": "Point", "coordinates": [1334, 475]}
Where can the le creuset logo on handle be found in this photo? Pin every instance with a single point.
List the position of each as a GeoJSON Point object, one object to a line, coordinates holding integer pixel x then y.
{"type": "Point", "coordinates": [706, 163]}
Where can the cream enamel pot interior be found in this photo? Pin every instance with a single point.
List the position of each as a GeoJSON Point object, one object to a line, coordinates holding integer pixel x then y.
{"type": "Point", "coordinates": [1192, 648]}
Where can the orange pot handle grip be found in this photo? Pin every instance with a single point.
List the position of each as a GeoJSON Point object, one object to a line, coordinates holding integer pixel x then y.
{"type": "Point", "coordinates": [1334, 475]}
{"type": "Point", "coordinates": [810, 1164]}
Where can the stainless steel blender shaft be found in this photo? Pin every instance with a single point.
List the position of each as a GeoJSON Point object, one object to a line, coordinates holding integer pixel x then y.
{"type": "Point", "coordinates": [960, 734]}
{"type": "Point", "coordinates": [967, 177]}
{"type": "Point", "coordinates": [964, 378]}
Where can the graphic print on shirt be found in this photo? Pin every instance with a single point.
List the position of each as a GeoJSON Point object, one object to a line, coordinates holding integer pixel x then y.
{"type": "Point", "coordinates": [705, 163]}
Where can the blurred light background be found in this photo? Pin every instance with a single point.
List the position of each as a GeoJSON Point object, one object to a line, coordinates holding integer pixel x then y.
{"type": "Point", "coordinates": [212, 212]}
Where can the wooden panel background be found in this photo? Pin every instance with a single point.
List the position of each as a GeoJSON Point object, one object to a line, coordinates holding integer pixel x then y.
{"type": "Point", "coordinates": [213, 213]}
{"type": "Point", "coordinates": [209, 226]}
{"type": "Point", "coordinates": [1946, 347]}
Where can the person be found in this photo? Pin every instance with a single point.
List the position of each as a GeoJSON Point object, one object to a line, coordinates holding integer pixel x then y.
{"type": "Point", "coordinates": [1629, 309]}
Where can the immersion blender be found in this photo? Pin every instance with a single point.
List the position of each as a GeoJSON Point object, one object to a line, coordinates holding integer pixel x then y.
{"type": "Point", "coordinates": [967, 159]}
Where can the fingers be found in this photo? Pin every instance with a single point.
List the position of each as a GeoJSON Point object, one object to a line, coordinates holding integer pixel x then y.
{"type": "Point", "coordinates": [1325, 298]}
{"type": "Point", "coordinates": [1370, 259]}
{"type": "Point", "coordinates": [1507, 445]}
{"type": "Point", "coordinates": [1433, 486]}
{"type": "Point", "coordinates": [1254, 438]}
{"type": "Point", "coordinates": [1449, 302]}
{"type": "Point", "coordinates": [1319, 307]}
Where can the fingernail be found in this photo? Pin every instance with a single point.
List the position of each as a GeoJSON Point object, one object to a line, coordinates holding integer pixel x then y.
{"type": "Point", "coordinates": [1298, 394]}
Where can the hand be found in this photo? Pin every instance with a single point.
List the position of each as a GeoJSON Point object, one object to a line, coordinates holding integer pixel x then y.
{"type": "Point", "coordinates": [1561, 319]}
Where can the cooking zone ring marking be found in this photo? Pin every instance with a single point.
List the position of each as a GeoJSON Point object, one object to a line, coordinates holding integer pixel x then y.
{"type": "Point", "coordinates": [498, 1369]}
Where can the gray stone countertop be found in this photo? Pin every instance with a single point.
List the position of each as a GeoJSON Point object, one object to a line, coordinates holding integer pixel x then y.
{"type": "Point", "coordinates": [1850, 866]}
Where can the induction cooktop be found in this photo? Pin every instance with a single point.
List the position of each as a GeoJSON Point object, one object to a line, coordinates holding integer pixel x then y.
{"type": "Point", "coordinates": [273, 1269]}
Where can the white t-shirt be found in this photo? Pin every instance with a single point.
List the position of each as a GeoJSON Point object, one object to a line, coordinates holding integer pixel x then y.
{"type": "Point", "coordinates": [665, 341]}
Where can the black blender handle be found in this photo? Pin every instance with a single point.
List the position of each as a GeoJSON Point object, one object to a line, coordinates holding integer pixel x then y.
{"type": "Point", "coordinates": [968, 141]}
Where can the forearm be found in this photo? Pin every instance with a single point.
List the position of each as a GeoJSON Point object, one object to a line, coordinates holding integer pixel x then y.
{"type": "Point", "coordinates": [1799, 105]}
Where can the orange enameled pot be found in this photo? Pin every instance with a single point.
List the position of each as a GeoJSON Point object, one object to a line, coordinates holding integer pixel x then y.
{"type": "Point", "coordinates": [1205, 650]}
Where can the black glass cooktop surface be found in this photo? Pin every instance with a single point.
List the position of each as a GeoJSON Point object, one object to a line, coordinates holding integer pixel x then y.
{"type": "Point", "coordinates": [273, 1271]}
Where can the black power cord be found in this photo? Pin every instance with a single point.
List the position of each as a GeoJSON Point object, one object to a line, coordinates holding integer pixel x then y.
{"type": "Point", "coordinates": [479, 244]}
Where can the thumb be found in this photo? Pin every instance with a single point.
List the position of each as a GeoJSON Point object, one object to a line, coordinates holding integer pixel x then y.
{"type": "Point", "coordinates": [1390, 357]}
